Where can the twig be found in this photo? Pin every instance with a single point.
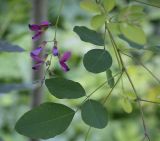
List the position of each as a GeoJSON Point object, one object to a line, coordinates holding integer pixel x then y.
{"type": "Point", "coordinates": [141, 65]}
{"type": "Point", "coordinates": [128, 76]}
{"type": "Point", "coordinates": [147, 3]}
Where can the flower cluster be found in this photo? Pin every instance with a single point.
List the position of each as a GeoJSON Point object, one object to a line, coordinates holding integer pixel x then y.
{"type": "Point", "coordinates": [37, 55]}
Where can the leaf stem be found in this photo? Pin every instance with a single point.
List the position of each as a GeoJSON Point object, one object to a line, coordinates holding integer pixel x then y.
{"type": "Point", "coordinates": [112, 89]}
{"type": "Point", "coordinates": [147, 4]}
{"type": "Point", "coordinates": [149, 71]}
{"type": "Point", "coordinates": [129, 78]}
{"type": "Point", "coordinates": [59, 12]}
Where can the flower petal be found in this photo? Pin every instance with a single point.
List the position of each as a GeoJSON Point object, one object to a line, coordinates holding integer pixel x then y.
{"type": "Point", "coordinates": [37, 35]}
{"type": "Point", "coordinates": [65, 56]}
{"type": "Point", "coordinates": [36, 52]}
{"type": "Point", "coordinates": [34, 27]}
{"type": "Point", "coordinates": [37, 59]}
{"type": "Point", "coordinates": [55, 51]}
{"type": "Point", "coordinates": [45, 24]}
{"type": "Point", "coordinates": [64, 67]}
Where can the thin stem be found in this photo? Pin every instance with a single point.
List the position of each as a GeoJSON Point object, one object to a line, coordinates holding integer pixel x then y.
{"type": "Point", "coordinates": [147, 3]}
{"type": "Point", "coordinates": [116, 54]}
{"type": "Point", "coordinates": [149, 71]}
{"type": "Point", "coordinates": [87, 134]}
{"type": "Point", "coordinates": [112, 88]}
{"type": "Point", "coordinates": [59, 13]}
{"type": "Point", "coordinates": [100, 86]}
{"type": "Point", "coordinates": [153, 102]}
{"type": "Point", "coordinates": [128, 76]}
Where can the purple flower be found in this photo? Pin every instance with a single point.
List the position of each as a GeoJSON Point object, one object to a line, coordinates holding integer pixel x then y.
{"type": "Point", "coordinates": [39, 29]}
{"type": "Point", "coordinates": [55, 51]}
{"type": "Point", "coordinates": [65, 57]}
{"type": "Point", "coordinates": [36, 56]}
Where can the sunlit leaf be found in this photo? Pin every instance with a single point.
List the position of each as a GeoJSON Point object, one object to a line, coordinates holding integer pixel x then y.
{"type": "Point", "coordinates": [109, 4]}
{"type": "Point", "coordinates": [88, 35]}
{"type": "Point", "coordinates": [110, 78]}
{"type": "Point", "coordinates": [97, 21]}
{"type": "Point", "coordinates": [97, 60]}
{"type": "Point", "coordinates": [133, 33]}
{"type": "Point", "coordinates": [90, 6]}
{"type": "Point", "coordinates": [131, 14]}
{"type": "Point", "coordinates": [126, 105]}
{"type": "Point", "coordinates": [94, 114]}
{"type": "Point", "coordinates": [63, 88]}
{"type": "Point", "coordinates": [7, 47]}
{"type": "Point", "coordinates": [131, 44]}
{"type": "Point", "coordinates": [45, 121]}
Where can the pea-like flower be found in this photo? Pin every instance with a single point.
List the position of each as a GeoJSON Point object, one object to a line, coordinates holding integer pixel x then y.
{"type": "Point", "coordinates": [37, 57]}
{"type": "Point", "coordinates": [39, 29]}
{"type": "Point", "coordinates": [62, 59]}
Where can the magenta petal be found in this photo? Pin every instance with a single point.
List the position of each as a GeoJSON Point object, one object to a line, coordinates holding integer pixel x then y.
{"type": "Point", "coordinates": [65, 56]}
{"type": "Point", "coordinates": [37, 35]}
{"type": "Point", "coordinates": [34, 27]}
{"type": "Point", "coordinates": [45, 24]}
{"type": "Point", "coordinates": [37, 59]}
{"type": "Point", "coordinates": [64, 66]}
{"type": "Point", "coordinates": [55, 51]}
{"type": "Point", "coordinates": [36, 52]}
{"type": "Point", "coordinates": [37, 66]}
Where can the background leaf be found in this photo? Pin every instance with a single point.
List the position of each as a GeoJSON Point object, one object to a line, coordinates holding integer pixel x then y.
{"type": "Point", "coordinates": [133, 33]}
{"type": "Point", "coordinates": [7, 47]}
{"type": "Point", "coordinates": [109, 4]}
{"type": "Point", "coordinates": [63, 88]}
{"type": "Point", "coordinates": [97, 60]}
{"type": "Point", "coordinates": [131, 44]}
{"type": "Point", "coordinates": [90, 6]}
{"type": "Point", "coordinates": [88, 35]}
{"type": "Point", "coordinates": [126, 105]}
{"type": "Point", "coordinates": [94, 114]}
{"type": "Point", "coordinates": [45, 121]}
{"type": "Point", "coordinates": [98, 21]}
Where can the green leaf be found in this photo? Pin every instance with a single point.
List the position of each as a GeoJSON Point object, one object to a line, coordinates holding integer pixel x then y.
{"type": "Point", "coordinates": [88, 35]}
{"type": "Point", "coordinates": [133, 33]}
{"type": "Point", "coordinates": [155, 49]}
{"type": "Point", "coordinates": [97, 60]}
{"type": "Point", "coordinates": [110, 78]}
{"type": "Point", "coordinates": [126, 105]}
{"type": "Point", "coordinates": [7, 47]}
{"type": "Point", "coordinates": [63, 88]}
{"type": "Point", "coordinates": [109, 4]}
{"type": "Point", "coordinates": [131, 14]}
{"type": "Point", "coordinates": [45, 121]}
{"type": "Point", "coordinates": [98, 21]}
{"type": "Point", "coordinates": [131, 44]}
{"type": "Point", "coordinates": [90, 6]}
{"type": "Point", "coordinates": [94, 114]}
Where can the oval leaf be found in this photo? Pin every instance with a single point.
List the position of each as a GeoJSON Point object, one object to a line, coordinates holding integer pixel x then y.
{"type": "Point", "coordinates": [131, 44]}
{"type": "Point", "coordinates": [94, 114]}
{"type": "Point", "coordinates": [45, 121]}
{"type": "Point", "coordinates": [88, 35]}
{"type": "Point", "coordinates": [110, 78]}
{"type": "Point", "coordinates": [133, 33]}
{"type": "Point", "coordinates": [97, 21]}
{"type": "Point", "coordinates": [97, 60]}
{"type": "Point", "coordinates": [63, 88]}
{"type": "Point", "coordinates": [126, 105]}
{"type": "Point", "coordinates": [109, 4]}
{"type": "Point", "coordinates": [90, 6]}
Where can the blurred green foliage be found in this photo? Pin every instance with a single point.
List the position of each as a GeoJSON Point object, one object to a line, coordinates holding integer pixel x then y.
{"type": "Point", "coordinates": [16, 68]}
